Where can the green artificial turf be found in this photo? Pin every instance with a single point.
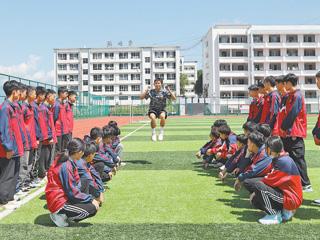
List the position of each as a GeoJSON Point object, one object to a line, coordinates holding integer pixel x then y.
{"type": "Point", "coordinates": [163, 193]}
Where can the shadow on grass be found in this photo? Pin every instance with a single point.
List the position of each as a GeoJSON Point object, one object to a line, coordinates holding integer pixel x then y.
{"type": "Point", "coordinates": [138, 162]}
{"type": "Point", "coordinates": [44, 220]}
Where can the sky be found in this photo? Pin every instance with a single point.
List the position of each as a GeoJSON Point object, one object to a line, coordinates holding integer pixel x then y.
{"type": "Point", "coordinates": [31, 29]}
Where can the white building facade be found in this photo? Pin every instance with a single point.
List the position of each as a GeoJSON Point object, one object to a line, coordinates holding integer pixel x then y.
{"type": "Point", "coordinates": [189, 68]}
{"type": "Point", "coordinates": [236, 56]}
{"type": "Point", "coordinates": [117, 74]}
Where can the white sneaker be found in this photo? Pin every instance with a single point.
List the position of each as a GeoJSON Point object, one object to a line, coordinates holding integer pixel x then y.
{"type": "Point", "coordinates": [59, 219]}
{"type": "Point", "coordinates": [160, 137]}
{"type": "Point", "coordinates": [307, 188]}
{"type": "Point", "coordinates": [271, 219]}
{"type": "Point", "coordinates": [154, 137]}
{"type": "Point", "coordinates": [12, 205]}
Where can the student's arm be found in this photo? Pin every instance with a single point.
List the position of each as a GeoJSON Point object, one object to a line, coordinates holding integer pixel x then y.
{"type": "Point", "coordinates": [275, 103]}
{"type": "Point", "coordinates": [101, 157]}
{"type": "Point", "coordinates": [171, 95]}
{"type": "Point", "coordinates": [276, 178]}
{"type": "Point", "coordinates": [56, 111]}
{"type": "Point", "coordinates": [95, 175]}
{"type": "Point", "coordinates": [145, 94]}
{"type": "Point", "coordinates": [205, 147]}
{"type": "Point", "coordinates": [256, 170]}
{"type": "Point", "coordinates": [5, 134]}
{"type": "Point", "coordinates": [70, 186]}
{"type": "Point", "coordinates": [37, 124]}
{"type": "Point", "coordinates": [291, 116]}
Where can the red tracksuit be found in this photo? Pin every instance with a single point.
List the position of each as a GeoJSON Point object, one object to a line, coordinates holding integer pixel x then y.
{"type": "Point", "coordinates": [270, 108]}
{"type": "Point", "coordinates": [285, 176]}
{"type": "Point", "coordinates": [70, 118]}
{"type": "Point", "coordinates": [10, 135]}
{"type": "Point", "coordinates": [22, 127]}
{"type": "Point", "coordinates": [60, 118]}
{"type": "Point", "coordinates": [294, 123]}
{"type": "Point", "coordinates": [281, 116]}
{"type": "Point", "coordinates": [255, 110]}
{"type": "Point", "coordinates": [30, 125]}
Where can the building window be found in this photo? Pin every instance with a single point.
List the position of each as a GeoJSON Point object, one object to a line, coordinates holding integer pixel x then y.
{"type": "Point", "coordinates": [159, 54]}
{"type": "Point", "coordinates": [239, 94]}
{"type": "Point", "coordinates": [74, 67]}
{"type": "Point", "coordinates": [85, 82]}
{"type": "Point", "coordinates": [135, 98]}
{"type": "Point", "coordinates": [310, 52]}
{"type": "Point", "coordinates": [123, 97]}
{"type": "Point", "coordinates": [239, 81]}
{"type": "Point", "coordinates": [135, 55]}
{"type": "Point", "coordinates": [274, 38]}
{"type": "Point", "coordinates": [62, 67]}
{"type": "Point", "coordinates": [74, 56]}
{"type": "Point", "coordinates": [62, 78]}
{"type": "Point", "coordinates": [108, 88]}
{"type": "Point", "coordinates": [239, 67]}
{"type": "Point", "coordinates": [224, 39]}
{"type": "Point", "coordinates": [109, 66]}
{"type": "Point", "coordinates": [224, 67]}
{"type": "Point", "coordinates": [159, 65]}
{"type": "Point", "coordinates": [123, 55]}
{"type": "Point", "coordinates": [239, 53]}
{"type": "Point", "coordinates": [85, 60]}
{"type": "Point", "coordinates": [123, 88]}
{"type": "Point", "coordinates": [225, 94]}
{"type": "Point", "coordinates": [85, 71]}
{"type": "Point", "coordinates": [258, 67]}
{"type": "Point", "coordinates": [74, 88]}
{"type": "Point", "coordinates": [225, 81]}
{"type": "Point", "coordinates": [274, 53]}
{"type": "Point", "coordinates": [258, 52]}
{"type": "Point", "coordinates": [109, 77]}
{"type": "Point", "coordinates": [135, 88]}
{"type": "Point", "coordinates": [159, 76]}
{"type": "Point", "coordinates": [310, 80]}
{"type": "Point", "coordinates": [97, 55]}
{"type": "Point", "coordinates": [309, 38]}
{"type": "Point", "coordinates": [97, 66]}
{"type": "Point", "coordinates": [171, 65]}
{"type": "Point", "coordinates": [171, 76]}
{"type": "Point", "coordinates": [311, 94]}
{"type": "Point", "coordinates": [257, 38]}
{"type": "Point", "coordinates": [97, 77]}
{"type": "Point", "coordinates": [292, 52]}
{"type": "Point", "coordinates": [73, 78]}
{"type": "Point", "coordinates": [147, 81]}
{"type": "Point", "coordinates": [292, 38]}
{"type": "Point", "coordinates": [123, 66]}
{"type": "Point", "coordinates": [109, 98]}
{"type": "Point", "coordinates": [109, 55]}
{"type": "Point", "coordinates": [97, 88]}
{"type": "Point", "coordinates": [135, 77]}
{"type": "Point", "coordinates": [224, 53]}
{"type": "Point", "coordinates": [171, 54]}
{"type": "Point", "coordinates": [292, 66]}
{"type": "Point", "coordinates": [62, 56]}
{"type": "Point", "coordinates": [309, 66]}
{"type": "Point", "coordinates": [147, 71]}
{"type": "Point", "coordinates": [275, 66]}
{"type": "Point", "coordinates": [135, 65]}
{"type": "Point", "coordinates": [123, 77]}
{"type": "Point", "coordinates": [147, 59]}
{"type": "Point", "coordinates": [239, 39]}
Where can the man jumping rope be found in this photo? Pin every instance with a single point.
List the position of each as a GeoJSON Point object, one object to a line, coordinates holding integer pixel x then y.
{"type": "Point", "coordinates": [158, 101]}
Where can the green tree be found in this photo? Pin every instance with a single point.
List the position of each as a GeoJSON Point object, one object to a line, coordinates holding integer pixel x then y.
{"type": "Point", "coordinates": [198, 87]}
{"type": "Point", "coordinates": [183, 82]}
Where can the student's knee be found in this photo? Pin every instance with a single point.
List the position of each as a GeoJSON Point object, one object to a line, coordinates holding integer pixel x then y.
{"type": "Point", "coordinates": [162, 116]}
{"type": "Point", "coordinates": [152, 116]}
{"type": "Point", "coordinates": [92, 210]}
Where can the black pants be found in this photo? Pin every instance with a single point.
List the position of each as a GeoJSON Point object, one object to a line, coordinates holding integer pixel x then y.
{"type": "Point", "coordinates": [267, 199]}
{"type": "Point", "coordinates": [78, 212]}
{"type": "Point", "coordinates": [249, 184]}
{"type": "Point", "coordinates": [45, 159]}
{"type": "Point", "coordinates": [62, 143]}
{"type": "Point", "coordinates": [296, 151]}
{"type": "Point", "coordinates": [99, 167]}
{"type": "Point", "coordinates": [9, 173]}
{"type": "Point", "coordinates": [86, 188]}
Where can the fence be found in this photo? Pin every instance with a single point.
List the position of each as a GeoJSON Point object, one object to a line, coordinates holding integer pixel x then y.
{"type": "Point", "coordinates": [89, 105]}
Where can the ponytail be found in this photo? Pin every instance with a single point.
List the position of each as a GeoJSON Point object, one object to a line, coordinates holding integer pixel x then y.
{"type": "Point", "coordinates": [74, 146]}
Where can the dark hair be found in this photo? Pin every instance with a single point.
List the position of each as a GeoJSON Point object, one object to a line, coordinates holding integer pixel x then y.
{"type": "Point", "coordinates": [224, 129]}
{"type": "Point", "coordinates": [107, 132]}
{"type": "Point", "coordinates": [10, 86]}
{"type": "Point", "coordinates": [71, 92]}
{"type": "Point", "coordinates": [257, 138]}
{"type": "Point", "coordinates": [50, 91]}
{"type": "Point", "coordinates": [242, 139]}
{"type": "Point", "coordinates": [74, 146]}
{"type": "Point", "coordinates": [264, 129]}
{"type": "Point", "coordinates": [62, 90]}
{"type": "Point", "coordinates": [114, 124]}
{"type": "Point", "coordinates": [22, 87]}
{"type": "Point", "coordinates": [214, 132]}
{"type": "Point", "coordinates": [271, 80]}
{"type": "Point", "coordinates": [30, 89]}
{"type": "Point", "coordinates": [249, 126]}
{"type": "Point", "coordinates": [253, 87]}
{"type": "Point", "coordinates": [95, 133]}
{"type": "Point", "coordinates": [279, 79]}
{"type": "Point", "coordinates": [89, 148]}
{"type": "Point", "coordinates": [220, 122]}
{"type": "Point", "coordinates": [158, 79]}
{"type": "Point", "coordinates": [260, 84]}
{"type": "Point", "coordinates": [40, 91]}
{"type": "Point", "coordinates": [292, 78]}
{"type": "Point", "coordinates": [318, 74]}
{"type": "Point", "coordinates": [275, 144]}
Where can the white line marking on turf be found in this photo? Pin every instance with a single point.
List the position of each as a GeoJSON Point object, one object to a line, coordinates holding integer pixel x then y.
{"type": "Point", "coordinates": [17, 204]}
